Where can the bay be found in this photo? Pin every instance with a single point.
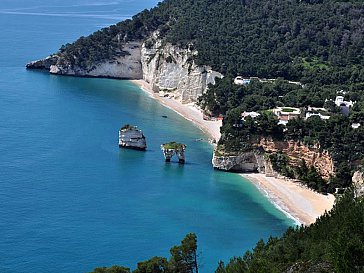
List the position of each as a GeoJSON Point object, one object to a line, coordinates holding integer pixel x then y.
{"type": "Point", "coordinates": [71, 200]}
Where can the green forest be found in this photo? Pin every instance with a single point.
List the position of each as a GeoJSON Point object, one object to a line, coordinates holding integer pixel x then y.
{"type": "Point", "coordinates": [292, 39]}
{"type": "Point", "coordinates": [335, 243]}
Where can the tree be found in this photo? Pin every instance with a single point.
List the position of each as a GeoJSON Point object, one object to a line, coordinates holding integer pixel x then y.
{"type": "Point", "coordinates": [113, 269]}
{"type": "Point", "coordinates": [153, 265]}
{"type": "Point", "coordinates": [184, 257]}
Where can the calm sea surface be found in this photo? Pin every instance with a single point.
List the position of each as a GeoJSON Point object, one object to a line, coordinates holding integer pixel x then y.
{"type": "Point", "coordinates": [70, 199]}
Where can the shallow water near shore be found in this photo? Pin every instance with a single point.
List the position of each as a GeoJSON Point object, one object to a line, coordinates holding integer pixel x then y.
{"type": "Point", "coordinates": [71, 200]}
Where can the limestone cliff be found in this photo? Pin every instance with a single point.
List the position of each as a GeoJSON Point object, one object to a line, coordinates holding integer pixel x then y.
{"type": "Point", "coordinates": [242, 162]}
{"type": "Point", "coordinates": [257, 160]}
{"type": "Point", "coordinates": [297, 151]}
{"type": "Point", "coordinates": [124, 67]}
{"type": "Point", "coordinates": [172, 69]}
{"type": "Point", "coordinates": [165, 66]}
{"type": "Point", "coordinates": [358, 182]}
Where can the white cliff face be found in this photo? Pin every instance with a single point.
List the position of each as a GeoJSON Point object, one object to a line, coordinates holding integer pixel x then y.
{"type": "Point", "coordinates": [244, 162]}
{"type": "Point", "coordinates": [172, 69]}
{"type": "Point", "coordinates": [358, 182]}
{"type": "Point", "coordinates": [165, 66]}
{"type": "Point", "coordinates": [126, 67]}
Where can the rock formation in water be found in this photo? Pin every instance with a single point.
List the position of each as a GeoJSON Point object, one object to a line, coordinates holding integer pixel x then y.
{"type": "Point", "coordinates": [132, 138]}
{"type": "Point", "coordinates": [173, 148]}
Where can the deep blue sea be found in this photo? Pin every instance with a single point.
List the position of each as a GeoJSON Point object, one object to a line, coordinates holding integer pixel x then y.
{"type": "Point", "coordinates": [70, 199]}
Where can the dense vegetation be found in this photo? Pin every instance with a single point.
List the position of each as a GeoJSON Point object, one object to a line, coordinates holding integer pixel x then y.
{"type": "Point", "coordinates": [106, 44]}
{"type": "Point", "coordinates": [183, 260]}
{"type": "Point", "coordinates": [173, 146]}
{"type": "Point", "coordinates": [335, 243]}
{"type": "Point", "coordinates": [292, 39]}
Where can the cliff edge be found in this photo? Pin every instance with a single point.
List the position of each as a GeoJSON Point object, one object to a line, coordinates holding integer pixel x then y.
{"type": "Point", "coordinates": [166, 67]}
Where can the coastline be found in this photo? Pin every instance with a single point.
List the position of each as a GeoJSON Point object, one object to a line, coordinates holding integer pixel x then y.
{"type": "Point", "coordinates": [293, 199]}
{"type": "Point", "coordinates": [188, 111]}
{"type": "Point", "coordinates": [296, 201]}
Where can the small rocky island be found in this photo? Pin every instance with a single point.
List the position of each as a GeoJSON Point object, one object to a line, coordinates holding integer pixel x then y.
{"type": "Point", "coordinates": [172, 148]}
{"type": "Point", "coordinates": [132, 138]}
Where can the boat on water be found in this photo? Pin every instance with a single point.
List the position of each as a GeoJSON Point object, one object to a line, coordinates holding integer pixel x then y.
{"type": "Point", "coordinates": [132, 138]}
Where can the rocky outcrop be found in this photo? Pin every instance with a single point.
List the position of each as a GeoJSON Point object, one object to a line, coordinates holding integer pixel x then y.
{"type": "Point", "coordinates": [132, 138]}
{"type": "Point", "coordinates": [44, 63]}
{"type": "Point", "coordinates": [297, 152]}
{"type": "Point", "coordinates": [125, 67]}
{"type": "Point", "coordinates": [173, 148]}
{"type": "Point", "coordinates": [165, 66]}
{"type": "Point", "coordinates": [257, 160]}
{"type": "Point", "coordinates": [358, 183]}
{"type": "Point", "coordinates": [246, 162]}
{"type": "Point", "coordinates": [310, 267]}
{"type": "Point", "coordinates": [172, 69]}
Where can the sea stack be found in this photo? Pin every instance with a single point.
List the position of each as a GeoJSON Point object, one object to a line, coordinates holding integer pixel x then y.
{"type": "Point", "coordinates": [132, 138]}
{"type": "Point", "coordinates": [172, 148]}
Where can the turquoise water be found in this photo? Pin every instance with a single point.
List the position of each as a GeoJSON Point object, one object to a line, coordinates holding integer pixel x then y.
{"type": "Point", "coordinates": [70, 199]}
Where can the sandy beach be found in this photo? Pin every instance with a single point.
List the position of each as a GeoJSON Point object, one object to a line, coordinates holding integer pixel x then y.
{"type": "Point", "coordinates": [188, 111]}
{"type": "Point", "coordinates": [297, 201]}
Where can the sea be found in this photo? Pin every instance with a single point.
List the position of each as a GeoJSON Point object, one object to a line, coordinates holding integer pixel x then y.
{"type": "Point", "coordinates": [70, 199]}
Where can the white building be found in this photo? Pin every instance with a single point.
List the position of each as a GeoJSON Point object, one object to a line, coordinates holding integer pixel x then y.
{"type": "Point", "coordinates": [285, 114]}
{"type": "Point", "coordinates": [311, 114]}
{"type": "Point", "coordinates": [339, 101]}
{"type": "Point", "coordinates": [239, 80]}
{"type": "Point", "coordinates": [343, 104]}
{"type": "Point", "coordinates": [316, 111]}
{"type": "Point", "coordinates": [355, 125]}
{"type": "Point", "coordinates": [249, 114]}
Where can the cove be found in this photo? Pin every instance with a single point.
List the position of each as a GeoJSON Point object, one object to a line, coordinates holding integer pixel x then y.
{"type": "Point", "coordinates": [72, 200]}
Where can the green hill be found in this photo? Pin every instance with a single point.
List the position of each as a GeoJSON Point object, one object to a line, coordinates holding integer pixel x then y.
{"type": "Point", "coordinates": [305, 40]}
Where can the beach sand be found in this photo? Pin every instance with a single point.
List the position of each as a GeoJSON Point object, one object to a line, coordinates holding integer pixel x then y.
{"type": "Point", "coordinates": [297, 201]}
{"type": "Point", "coordinates": [188, 111]}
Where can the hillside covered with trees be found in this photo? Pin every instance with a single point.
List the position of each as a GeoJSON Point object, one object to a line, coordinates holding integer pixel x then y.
{"type": "Point", "coordinates": [293, 39]}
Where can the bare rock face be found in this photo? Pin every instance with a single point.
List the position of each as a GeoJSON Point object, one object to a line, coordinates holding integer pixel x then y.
{"type": "Point", "coordinates": [173, 148]}
{"type": "Point", "coordinates": [297, 151]}
{"type": "Point", "coordinates": [43, 64]}
{"type": "Point", "coordinates": [253, 161]}
{"type": "Point", "coordinates": [358, 182]}
{"type": "Point", "coordinates": [132, 138]}
{"type": "Point", "coordinates": [172, 69]}
{"type": "Point", "coordinates": [310, 267]}
{"type": "Point", "coordinates": [126, 67]}
{"type": "Point", "coordinates": [244, 162]}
